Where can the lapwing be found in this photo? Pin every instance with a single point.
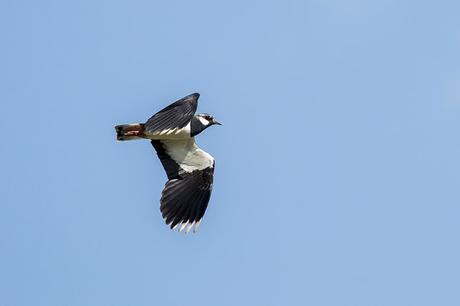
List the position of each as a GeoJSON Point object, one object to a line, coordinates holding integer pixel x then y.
{"type": "Point", "coordinates": [189, 169]}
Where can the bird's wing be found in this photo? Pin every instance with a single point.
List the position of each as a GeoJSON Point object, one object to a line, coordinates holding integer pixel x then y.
{"type": "Point", "coordinates": [175, 116]}
{"type": "Point", "coordinates": [190, 171]}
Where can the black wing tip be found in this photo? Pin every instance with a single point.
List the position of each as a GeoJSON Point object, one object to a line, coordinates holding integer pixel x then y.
{"type": "Point", "coordinates": [193, 96]}
{"type": "Point", "coordinates": [184, 201]}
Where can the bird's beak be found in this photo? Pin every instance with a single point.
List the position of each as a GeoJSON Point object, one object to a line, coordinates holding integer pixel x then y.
{"type": "Point", "coordinates": [216, 122]}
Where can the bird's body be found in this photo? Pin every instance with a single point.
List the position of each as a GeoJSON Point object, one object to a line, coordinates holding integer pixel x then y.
{"type": "Point", "coordinates": [189, 169]}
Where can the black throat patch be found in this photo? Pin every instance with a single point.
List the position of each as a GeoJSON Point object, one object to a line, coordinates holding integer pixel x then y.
{"type": "Point", "coordinates": [196, 127]}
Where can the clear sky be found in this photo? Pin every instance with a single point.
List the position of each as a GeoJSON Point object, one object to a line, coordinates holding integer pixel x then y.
{"type": "Point", "coordinates": [337, 168]}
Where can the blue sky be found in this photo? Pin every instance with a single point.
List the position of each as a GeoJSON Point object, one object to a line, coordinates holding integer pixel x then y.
{"type": "Point", "coordinates": [337, 167]}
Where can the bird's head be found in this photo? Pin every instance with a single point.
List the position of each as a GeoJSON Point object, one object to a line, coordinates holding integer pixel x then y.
{"type": "Point", "coordinates": [207, 119]}
{"type": "Point", "coordinates": [200, 122]}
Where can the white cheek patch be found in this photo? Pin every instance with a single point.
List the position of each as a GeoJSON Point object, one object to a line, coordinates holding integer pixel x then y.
{"type": "Point", "coordinates": [203, 121]}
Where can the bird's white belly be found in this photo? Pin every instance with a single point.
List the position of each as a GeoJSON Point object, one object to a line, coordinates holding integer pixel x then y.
{"type": "Point", "coordinates": [188, 155]}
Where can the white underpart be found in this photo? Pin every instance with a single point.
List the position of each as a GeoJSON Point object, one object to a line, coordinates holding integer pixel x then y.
{"type": "Point", "coordinates": [187, 154]}
{"type": "Point", "coordinates": [204, 121]}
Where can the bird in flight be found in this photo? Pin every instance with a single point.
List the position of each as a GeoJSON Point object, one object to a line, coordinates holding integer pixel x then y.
{"type": "Point", "coordinates": [190, 170]}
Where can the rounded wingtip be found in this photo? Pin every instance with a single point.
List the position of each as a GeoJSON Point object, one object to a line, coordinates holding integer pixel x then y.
{"type": "Point", "coordinates": [191, 97]}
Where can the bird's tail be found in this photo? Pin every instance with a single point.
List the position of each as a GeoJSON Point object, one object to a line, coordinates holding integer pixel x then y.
{"type": "Point", "coordinates": [130, 131]}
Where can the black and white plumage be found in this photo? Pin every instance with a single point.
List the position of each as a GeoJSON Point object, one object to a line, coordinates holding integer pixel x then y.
{"type": "Point", "coordinates": [189, 169]}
